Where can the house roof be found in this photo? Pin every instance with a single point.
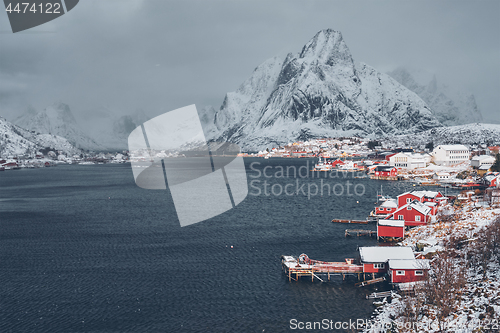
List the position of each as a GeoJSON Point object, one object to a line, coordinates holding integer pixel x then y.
{"type": "Point", "coordinates": [392, 223]}
{"type": "Point", "coordinates": [409, 264]}
{"type": "Point", "coordinates": [452, 147]}
{"type": "Point", "coordinates": [389, 204]}
{"type": "Point", "coordinates": [418, 206]}
{"type": "Point", "coordinates": [384, 168]}
{"type": "Point", "coordinates": [383, 253]}
{"type": "Point", "coordinates": [483, 157]}
{"type": "Point", "coordinates": [421, 194]}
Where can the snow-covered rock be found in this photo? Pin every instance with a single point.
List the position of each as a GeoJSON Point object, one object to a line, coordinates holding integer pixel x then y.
{"type": "Point", "coordinates": [57, 119]}
{"type": "Point", "coordinates": [317, 93]}
{"type": "Point", "coordinates": [15, 141]}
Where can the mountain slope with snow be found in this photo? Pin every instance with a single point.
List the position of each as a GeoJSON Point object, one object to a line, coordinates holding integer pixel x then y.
{"type": "Point", "coordinates": [470, 134]}
{"type": "Point", "coordinates": [450, 107]}
{"type": "Point", "coordinates": [15, 140]}
{"type": "Point", "coordinates": [57, 119]}
{"type": "Point", "coordinates": [317, 93]}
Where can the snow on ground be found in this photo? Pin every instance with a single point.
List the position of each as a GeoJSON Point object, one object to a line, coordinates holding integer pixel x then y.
{"type": "Point", "coordinates": [479, 305]}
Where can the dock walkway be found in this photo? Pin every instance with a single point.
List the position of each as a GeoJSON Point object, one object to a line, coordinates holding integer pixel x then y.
{"type": "Point", "coordinates": [360, 232]}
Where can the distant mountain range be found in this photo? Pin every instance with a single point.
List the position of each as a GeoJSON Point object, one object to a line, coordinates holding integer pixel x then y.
{"type": "Point", "coordinates": [317, 92]}
{"type": "Point", "coordinates": [449, 106]}
{"type": "Point", "coordinates": [15, 140]}
{"type": "Point", "coordinates": [97, 129]}
{"type": "Point", "coordinates": [56, 119]}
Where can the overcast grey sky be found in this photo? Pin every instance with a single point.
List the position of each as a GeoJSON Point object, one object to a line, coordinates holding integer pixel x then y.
{"type": "Point", "coordinates": [159, 55]}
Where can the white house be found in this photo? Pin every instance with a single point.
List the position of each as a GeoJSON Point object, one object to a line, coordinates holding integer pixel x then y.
{"type": "Point", "coordinates": [441, 175]}
{"type": "Point", "coordinates": [408, 161]}
{"type": "Point", "coordinates": [482, 161]}
{"type": "Point", "coordinates": [450, 154]}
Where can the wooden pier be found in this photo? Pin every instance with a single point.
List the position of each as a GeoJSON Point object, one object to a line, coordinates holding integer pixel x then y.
{"type": "Point", "coordinates": [302, 266]}
{"type": "Point", "coordinates": [382, 294]}
{"type": "Point", "coordinates": [351, 221]}
{"type": "Point", "coordinates": [360, 232]}
{"type": "Point", "coordinates": [368, 282]}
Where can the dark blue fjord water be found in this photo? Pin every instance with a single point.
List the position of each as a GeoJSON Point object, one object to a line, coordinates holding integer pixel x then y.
{"type": "Point", "coordinates": [83, 249]}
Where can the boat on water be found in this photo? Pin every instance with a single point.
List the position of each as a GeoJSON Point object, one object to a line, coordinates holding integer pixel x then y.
{"type": "Point", "coordinates": [322, 165]}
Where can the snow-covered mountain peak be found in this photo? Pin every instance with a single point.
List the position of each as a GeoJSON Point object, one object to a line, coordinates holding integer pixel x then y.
{"type": "Point", "coordinates": [327, 46]}
{"type": "Point", "coordinates": [317, 93]}
{"type": "Point", "coordinates": [57, 119]}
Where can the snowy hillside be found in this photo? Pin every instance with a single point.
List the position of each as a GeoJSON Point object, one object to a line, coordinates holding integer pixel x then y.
{"type": "Point", "coordinates": [317, 93]}
{"type": "Point", "coordinates": [58, 120]}
{"type": "Point", "coordinates": [450, 107]}
{"type": "Point", "coordinates": [15, 140]}
{"type": "Point", "coordinates": [470, 134]}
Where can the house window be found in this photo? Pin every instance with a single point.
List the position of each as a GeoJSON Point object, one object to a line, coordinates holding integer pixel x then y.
{"type": "Point", "coordinates": [400, 272]}
{"type": "Point", "coordinates": [417, 218]}
{"type": "Point", "coordinates": [379, 266]}
{"type": "Point", "coordinates": [388, 209]}
{"type": "Point", "coordinates": [401, 217]}
{"type": "Point", "coordinates": [419, 273]}
{"type": "Point", "coordinates": [408, 200]}
{"type": "Point", "coordinates": [408, 208]}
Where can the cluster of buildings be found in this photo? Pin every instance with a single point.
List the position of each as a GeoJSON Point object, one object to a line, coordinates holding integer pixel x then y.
{"type": "Point", "coordinates": [399, 265]}
{"type": "Point", "coordinates": [52, 158]}
{"type": "Point", "coordinates": [408, 210]}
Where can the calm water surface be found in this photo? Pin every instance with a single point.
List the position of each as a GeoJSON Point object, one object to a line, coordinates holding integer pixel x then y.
{"type": "Point", "coordinates": [83, 249]}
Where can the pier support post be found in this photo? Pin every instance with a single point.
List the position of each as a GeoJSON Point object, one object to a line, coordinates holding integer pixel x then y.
{"type": "Point", "coordinates": [328, 275]}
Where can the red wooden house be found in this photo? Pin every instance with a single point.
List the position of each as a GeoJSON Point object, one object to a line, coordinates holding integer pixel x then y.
{"type": "Point", "coordinates": [374, 258]}
{"type": "Point", "coordinates": [421, 196]}
{"type": "Point", "coordinates": [387, 207]}
{"type": "Point", "coordinates": [337, 162]}
{"type": "Point", "coordinates": [433, 206]}
{"type": "Point", "coordinates": [10, 165]}
{"type": "Point", "coordinates": [414, 213]}
{"type": "Point", "coordinates": [408, 270]}
{"type": "Point", "coordinates": [391, 229]}
{"type": "Point", "coordinates": [385, 171]}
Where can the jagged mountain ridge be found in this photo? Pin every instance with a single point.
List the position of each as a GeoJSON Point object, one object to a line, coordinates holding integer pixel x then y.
{"type": "Point", "coordinates": [450, 107]}
{"type": "Point", "coordinates": [100, 129]}
{"type": "Point", "coordinates": [57, 119]}
{"type": "Point", "coordinates": [15, 141]}
{"type": "Point", "coordinates": [317, 93]}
